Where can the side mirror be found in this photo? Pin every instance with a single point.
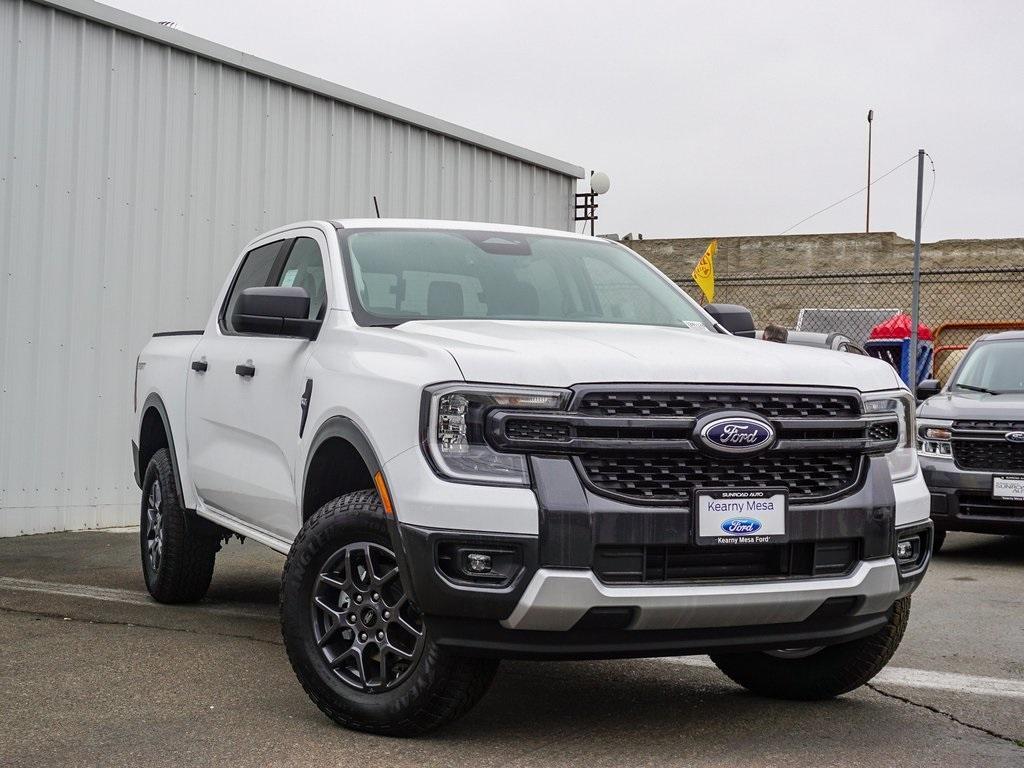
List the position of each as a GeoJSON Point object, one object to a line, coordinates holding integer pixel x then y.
{"type": "Point", "coordinates": [275, 311]}
{"type": "Point", "coordinates": [734, 318]}
{"type": "Point", "coordinates": [927, 388]}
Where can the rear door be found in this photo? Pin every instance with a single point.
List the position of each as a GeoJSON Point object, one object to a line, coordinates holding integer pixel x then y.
{"type": "Point", "coordinates": [243, 401]}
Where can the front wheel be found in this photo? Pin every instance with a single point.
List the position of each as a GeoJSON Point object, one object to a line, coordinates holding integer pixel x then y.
{"type": "Point", "coordinates": [356, 641]}
{"type": "Point", "coordinates": [817, 673]}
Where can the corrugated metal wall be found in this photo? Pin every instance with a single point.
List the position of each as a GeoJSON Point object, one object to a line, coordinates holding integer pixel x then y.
{"type": "Point", "coordinates": [131, 175]}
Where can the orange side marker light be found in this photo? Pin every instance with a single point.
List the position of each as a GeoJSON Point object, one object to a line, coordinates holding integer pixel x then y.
{"type": "Point", "coordinates": [385, 498]}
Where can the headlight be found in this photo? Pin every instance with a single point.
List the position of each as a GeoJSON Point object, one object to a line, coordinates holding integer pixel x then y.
{"type": "Point", "coordinates": [902, 459]}
{"type": "Point", "coordinates": [453, 430]}
{"type": "Point", "coordinates": [933, 436]}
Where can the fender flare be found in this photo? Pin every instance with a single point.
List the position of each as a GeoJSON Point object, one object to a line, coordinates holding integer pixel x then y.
{"type": "Point", "coordinates": [345, 428]}
{"type": "Point", "coordinates": [154, 401]}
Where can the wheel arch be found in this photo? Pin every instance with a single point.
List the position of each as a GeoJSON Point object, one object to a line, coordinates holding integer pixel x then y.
{"type": "Point", "coordinates": [340, 460]}
{"type": "Point", "coordinates": [154, 434]}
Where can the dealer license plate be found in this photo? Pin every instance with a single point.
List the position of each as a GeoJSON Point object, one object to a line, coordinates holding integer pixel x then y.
{"type": "Point", "coordinates": [1008, 488]}
{"type": "Point", "coordinates": [741, 516]}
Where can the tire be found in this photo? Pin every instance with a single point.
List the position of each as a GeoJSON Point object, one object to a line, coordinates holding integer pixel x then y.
{"type": "Point", "coordinates": [938, 541]}
{"type": "Point", "coordinates": [811, 676]}
{"type": "Point", "coordinates": [178, 549]}
{"type": "Point", "coordinates": [344, 619]}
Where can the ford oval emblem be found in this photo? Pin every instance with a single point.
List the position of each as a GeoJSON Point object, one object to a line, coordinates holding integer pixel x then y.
{"type": "Point", "coordinates": [737, 434]}
{"type": "Point", "coordinates": [741, 526]}
{"type": "Point", "coordinates": [1015, 437]}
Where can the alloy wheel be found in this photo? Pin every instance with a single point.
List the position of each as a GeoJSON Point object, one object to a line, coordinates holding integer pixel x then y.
{"type": "Point", "coordinates": [364, 624]}
{"type": "Point", "coordinates": [154, 527]}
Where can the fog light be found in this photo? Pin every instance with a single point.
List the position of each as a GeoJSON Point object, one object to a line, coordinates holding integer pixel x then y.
{"type": "Point", "coordinates": [478, 563]}
{"type": "Point", "coordinates": [907, 550]}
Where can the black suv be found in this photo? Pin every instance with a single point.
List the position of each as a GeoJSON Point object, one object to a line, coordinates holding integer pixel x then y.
{"type": "Point", "coordinates": [971, 440]}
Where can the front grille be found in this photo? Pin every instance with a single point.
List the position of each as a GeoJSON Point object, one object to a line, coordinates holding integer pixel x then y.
{"type": "Point", "coordinates": [984, 425]}
{"type": "Point", "coordinates": [989, 455]}
{"type": "Point", "coordinates": [808, 476]}
{"type": "Point", "coordinates": [986, 506]}
{"type": "Point", "coordinates": [659, 563]}
{"type": "Point", "coordinates": [691, 403]}
{"type": "Point", "coordinates": [547, 431]}
{"type": "Point", "coordinates": [888, 430]}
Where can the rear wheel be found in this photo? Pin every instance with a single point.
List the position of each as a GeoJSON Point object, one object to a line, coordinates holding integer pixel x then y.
{"type": "Point", "coordinates": [358, 644]}
{"type": "Point", "coordinates": [817, 673]}
{"type": "Point", "coordinates": [178, 549]}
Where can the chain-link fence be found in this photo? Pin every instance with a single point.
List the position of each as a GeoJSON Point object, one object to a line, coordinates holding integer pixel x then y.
{"type": "Point", "coordinates": [957, 304]}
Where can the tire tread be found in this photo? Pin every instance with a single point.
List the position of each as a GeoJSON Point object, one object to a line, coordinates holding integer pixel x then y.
{"type": "Point", "coordinates": [833, 671]}
{"type": "Point", "coordinates": [189, 552]}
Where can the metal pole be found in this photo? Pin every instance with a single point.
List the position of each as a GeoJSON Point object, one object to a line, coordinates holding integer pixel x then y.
{"type": "Point", "coordinates": [593, 204]}
{"type": "Point", "coordinates": [915, 299]}
{"type": "Point", "coordinates": [867, 215]}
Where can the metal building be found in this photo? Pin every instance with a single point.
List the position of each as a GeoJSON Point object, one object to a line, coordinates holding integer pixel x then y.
{"type": "Point", "coordinates": [135, 162]}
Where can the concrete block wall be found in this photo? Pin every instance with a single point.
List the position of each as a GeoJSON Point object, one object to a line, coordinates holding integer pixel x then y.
{"type": "Point", "coordinates": [813, 254]}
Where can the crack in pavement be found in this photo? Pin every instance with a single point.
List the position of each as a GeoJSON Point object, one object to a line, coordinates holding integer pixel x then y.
{"type": "Point", "coordinates": [110, 623]}
{"type": "Point", "coordinates": [949, 715]}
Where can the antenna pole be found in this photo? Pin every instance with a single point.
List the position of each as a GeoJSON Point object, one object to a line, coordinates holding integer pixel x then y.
{"type": "Point", "coordinates": [375, 206]}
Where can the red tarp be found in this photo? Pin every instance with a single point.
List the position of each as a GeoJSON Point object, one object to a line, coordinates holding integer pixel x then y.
{"type": "Point", "coordinates": [898, 327]}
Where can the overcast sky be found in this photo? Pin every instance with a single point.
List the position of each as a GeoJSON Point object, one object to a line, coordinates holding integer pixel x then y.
{"type": "Point", "coordinates": [711, 118]}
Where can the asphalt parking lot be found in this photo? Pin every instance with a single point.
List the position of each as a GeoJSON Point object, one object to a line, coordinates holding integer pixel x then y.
{"type": "Point", "coordinates": [94, 673]}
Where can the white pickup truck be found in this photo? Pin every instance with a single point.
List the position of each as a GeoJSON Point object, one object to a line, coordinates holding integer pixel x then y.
{"type": "Point", "coordinates": [482, 441]}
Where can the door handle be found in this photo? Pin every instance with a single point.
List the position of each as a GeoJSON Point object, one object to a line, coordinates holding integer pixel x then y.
{"type": "Point", "coordinates": [199, 366]}
{"type": "Point", "coordinates": [247, 370]}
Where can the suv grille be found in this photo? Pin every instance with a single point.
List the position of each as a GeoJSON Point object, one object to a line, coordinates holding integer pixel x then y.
{"type": "Point", "coordinates": [642, 564]}
{"type": "Point", "coordinates": [668, 476]}
{"type": "Point", "coordinates": [989, 455]}
{"type": "Point", "coordinates": [692, 403]}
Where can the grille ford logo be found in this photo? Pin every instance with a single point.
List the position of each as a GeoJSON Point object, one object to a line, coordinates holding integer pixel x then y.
{"type": "Point", "coordinates": [737, 434]}
{"type": "Point", "coordinates": [1015, 437]}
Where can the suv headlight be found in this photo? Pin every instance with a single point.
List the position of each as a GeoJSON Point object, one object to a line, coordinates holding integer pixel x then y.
{"type": "Point", "coordinates": [902, 459]}
{"type": "Point", "coordinates": [933, 438]}
{"type": "Point", "coordinates": [453, 430]}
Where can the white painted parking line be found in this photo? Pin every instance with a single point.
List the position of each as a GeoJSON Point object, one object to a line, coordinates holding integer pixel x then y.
{"type": "Point", "coordinates": [900, 676]}
{"type": "Point", "coordinates": [953, 682]}
{"type": "Point", "coordinates": [129, 597]}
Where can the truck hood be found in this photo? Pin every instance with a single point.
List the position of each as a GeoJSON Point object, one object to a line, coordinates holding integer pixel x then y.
{"type": "Point", "coordinates": [563, 354]}
{"type": "Point", "coordinates": [973, 405]}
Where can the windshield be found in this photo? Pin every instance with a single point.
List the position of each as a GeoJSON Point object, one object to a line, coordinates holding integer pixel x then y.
{"type": "Point", "coordinates": [996, 367]}
{"type": "Point", "coordinates": [400, 275]}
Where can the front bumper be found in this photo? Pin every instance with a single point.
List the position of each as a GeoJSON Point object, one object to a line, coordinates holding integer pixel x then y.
{"type": "Point", "coordinates": [961, 500]}
{"type": "Point", "coordinates": [556, 599]}
{"type": "Point", "coordinates": [554, 605]}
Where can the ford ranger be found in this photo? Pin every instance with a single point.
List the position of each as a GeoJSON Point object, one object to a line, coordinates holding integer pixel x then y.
{"type": "Point", "coordinates": [476, 442]}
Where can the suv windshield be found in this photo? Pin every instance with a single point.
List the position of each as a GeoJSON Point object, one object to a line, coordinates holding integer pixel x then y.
{"type": "Point", "coordinates": [996, 367]}
{"type": "Point", "coordinates": [396, 276]}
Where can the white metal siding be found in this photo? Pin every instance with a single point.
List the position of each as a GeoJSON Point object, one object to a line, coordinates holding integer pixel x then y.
{"type": "Point", "coordinates": [131, 174]}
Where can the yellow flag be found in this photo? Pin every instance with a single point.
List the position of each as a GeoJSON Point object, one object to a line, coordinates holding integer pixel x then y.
{"type": "Point", "coordinates": [704, 272]}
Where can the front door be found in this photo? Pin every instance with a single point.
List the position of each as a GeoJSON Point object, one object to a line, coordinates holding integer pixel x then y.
{"type": "Point", "coordinates": [243, 409]}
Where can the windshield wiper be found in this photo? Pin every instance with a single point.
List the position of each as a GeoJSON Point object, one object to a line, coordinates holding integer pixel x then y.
{"type": "Point", "coordinates": [973, 388]}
